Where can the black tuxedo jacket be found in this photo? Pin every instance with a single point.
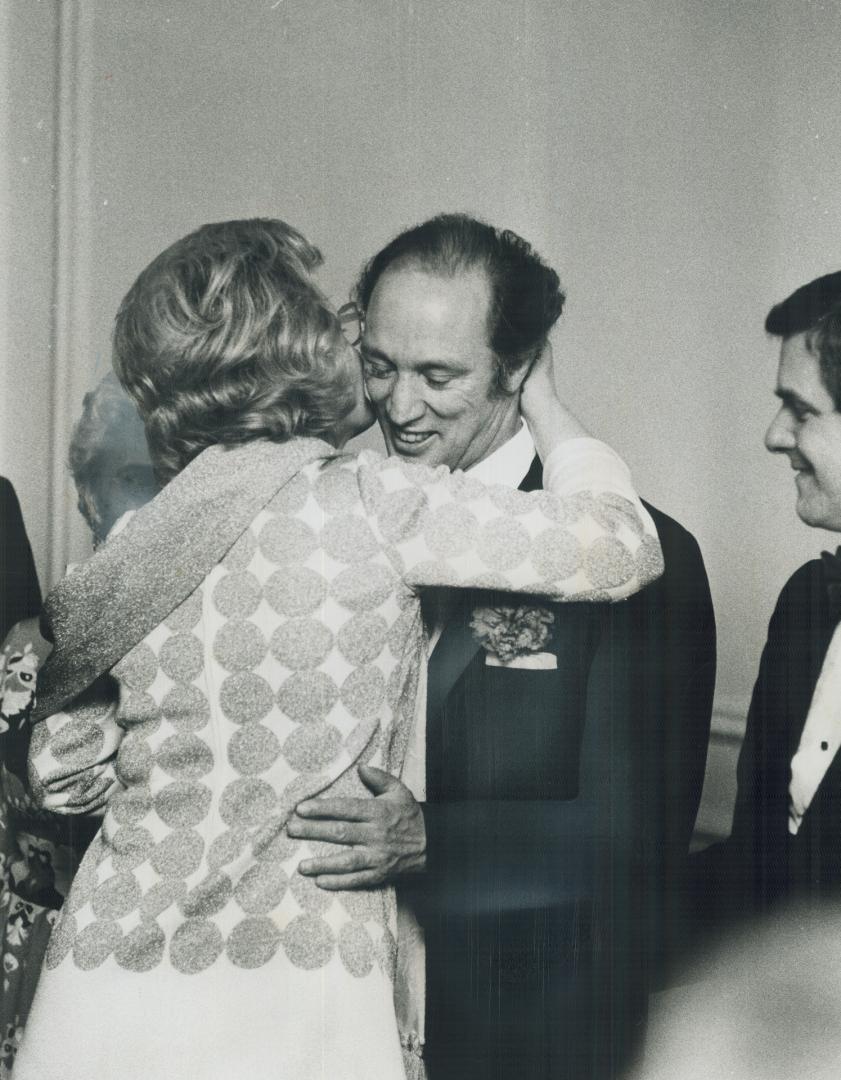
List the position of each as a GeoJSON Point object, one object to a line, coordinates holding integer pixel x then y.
{"type": "Point", "coordinates": [762, 864]}
{"type": "Point", "coordinates": [20, 596]}
{"type": "Point", "coordinates": [559, 803]}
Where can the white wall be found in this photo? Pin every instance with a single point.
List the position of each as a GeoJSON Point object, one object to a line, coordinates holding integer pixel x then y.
{"type": "Point", "coordinates": [677, 162]}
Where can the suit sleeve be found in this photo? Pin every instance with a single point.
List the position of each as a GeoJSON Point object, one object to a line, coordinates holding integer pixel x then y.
{"type": "Point", "coordinates": [20, 596]}
{"type": "Point", "coordinates": [729, 878]}
{"type": "Point", "coordinates": [642, 767]}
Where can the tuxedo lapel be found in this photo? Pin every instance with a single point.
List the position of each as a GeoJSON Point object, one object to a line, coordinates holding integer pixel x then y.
{"type": "Point", "coordinates": [455, 649]}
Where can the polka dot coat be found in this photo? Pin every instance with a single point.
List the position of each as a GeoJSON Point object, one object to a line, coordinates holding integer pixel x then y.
{"type": "Point", "coordinates": [189, 940]}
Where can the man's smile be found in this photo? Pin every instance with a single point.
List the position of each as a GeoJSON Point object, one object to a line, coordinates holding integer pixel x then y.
{"type": "Point", "coordinates": [410, 440]}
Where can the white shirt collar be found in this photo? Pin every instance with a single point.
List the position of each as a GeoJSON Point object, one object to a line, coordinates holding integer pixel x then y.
{"type": "Point", "coordinates": [509, 464]}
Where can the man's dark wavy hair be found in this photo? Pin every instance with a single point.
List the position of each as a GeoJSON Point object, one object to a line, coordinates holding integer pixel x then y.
{"type": "Point", "coordinates": [814, 309]}
{"type": "Point", "coordinates": [526, 295]}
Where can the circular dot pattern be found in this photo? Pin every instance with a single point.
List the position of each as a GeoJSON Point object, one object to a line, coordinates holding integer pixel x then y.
{"type": "Point", "coordinates": [242, 552]}
{"type": "Point", "coordinates": [61, 940]}
{"type": "Point", "coordinates": [349, 539]}
{"type": "Point", "coordinates": [134, 760]}
{"type": "Point", "coordinates": [244, 697]}
{"type": "Point", "coordinates": [239, 646]}
{"type": "Point", "coordinates": [225, 848]}
{"type": "Point", "coordinates": [608, 563]}
{"type": "Point", "coordinates": [336, 490]}
{"type": "Point", "coordinates": [313, 900]}
{"type": "Point", "coordinates": [183, 803]}
{"type": "Point", "coordinates": [116, 897]}
{"type": "Point", "coordinates": [451, 530]}
{"type": "Point", "coordinates": [363, 587]}
{"type": "Point", "coordinates": [362, 638]}
{"type": "Point", "coordinates": [186, 615]}
{"type": "Point", "coordinates": [138, 709]}
{"type": "Point", "coordinates": [161, 896]}
{"type": "Point", "coordinates": [95, 944]}
{"type": "Point", "coordinates": [292, 497]}
{"type": "Point", "coordinates": [301, 644]}
{"type": "Point", "coordinates": [556, 554]}
{"type": "Point", "coordinates": [76, 742]}
{"type": "Point", "coordinates": [184, 757]}
{"type": "Point", "coordinates": [186, 708]}
{"type": "Point", "coordinates": [399, 513]}
{"type": "Point", "coordinates": [363, 692]}
{"type": "Point", "coordinates": [287, 540]}
{"type": "Point", "coordinates": [246, 803]}
{"type": "Point", "coordinates": [130, 846]}
{"type": "Point", "coordinates": [253, 749]}
{"type": "Point", "coordinates": [138, 668]}
{"type": "Point", "coordinates": [261, 888]}
{"type": "Point", "coordinates": [195, 945]}
{"type": "Point", "coordinates": [307, 696]}
{"type": "Point", "coordinates": [181, 657]}
{"type": "Point", "coordinates": [503, 544]}
{"type": "Point", "coordinates": [312, 746]}
{"type": "Point", "coordinates": [253, 942]}
{"type": "Point", "coordinates": [142, 949]}
{"type": "Point", "coordinates": [308, 942]}
{"type": "Point", "coordinates": [131, 805]}
{"type": "Point", "coordinates": [648, 559]}
{"type": "Point", "coordinates": [296, 591]}
{"type": "Point", "coordinates": [356, 950]}
{"type": "Point", "coordinates": [179, 854]}
{"type": "Point", "coordinates": [237, 595]}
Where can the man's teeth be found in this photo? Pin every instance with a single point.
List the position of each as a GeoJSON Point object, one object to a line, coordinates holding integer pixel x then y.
{"type": "Point", "coordinates": [411, 436]}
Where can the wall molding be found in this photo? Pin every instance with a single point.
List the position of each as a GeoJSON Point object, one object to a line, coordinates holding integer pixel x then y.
{"type": "Point", "coordinates": [70, 330]}
{"type": "Point", "coordinates": [728, 721]}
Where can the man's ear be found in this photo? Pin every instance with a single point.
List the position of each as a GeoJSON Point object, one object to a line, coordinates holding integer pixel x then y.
{"type": "Point", "coordinates": [513, 381]}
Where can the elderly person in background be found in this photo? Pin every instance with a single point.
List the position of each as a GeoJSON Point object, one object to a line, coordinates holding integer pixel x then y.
{"type": "Point", "coordinates": [40, 850]}
{"type": "Point", "coordinates": [248, 639]}
{"type": "Point", "coordinates": [109, 458]}
{"type": "Point", "coordinates": [786, 838]}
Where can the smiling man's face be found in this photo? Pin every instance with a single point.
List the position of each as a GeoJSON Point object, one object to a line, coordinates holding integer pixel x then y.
{"type": "Point", "coordinates": [430, 371]}
{"type": "Point", "coordinates": [807, 428]}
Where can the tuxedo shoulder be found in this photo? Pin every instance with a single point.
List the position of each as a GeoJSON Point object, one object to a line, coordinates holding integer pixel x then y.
{"type": "Point", "coordinates": [668, 526]}
{"type": "Point", "coordinates": [803, 583]}
{"type": "Point", "coordinates": [7, 492]}
{"type": "Point", "coordinates": [677, 542]}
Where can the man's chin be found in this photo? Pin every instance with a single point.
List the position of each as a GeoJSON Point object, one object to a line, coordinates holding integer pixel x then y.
{"type": "Point", "coordinates": [817, 517]}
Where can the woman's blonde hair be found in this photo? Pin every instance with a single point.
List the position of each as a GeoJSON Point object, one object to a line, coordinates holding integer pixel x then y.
{"type": "Point", "coordinates": [225, 338]}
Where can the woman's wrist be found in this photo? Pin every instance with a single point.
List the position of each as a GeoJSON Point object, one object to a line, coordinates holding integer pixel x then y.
{"type": "Point", "coordinates": [549, 420]}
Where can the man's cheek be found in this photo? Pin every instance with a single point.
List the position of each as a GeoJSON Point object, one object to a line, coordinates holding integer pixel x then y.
{"type": "Point", "coordinates": [452, 404]}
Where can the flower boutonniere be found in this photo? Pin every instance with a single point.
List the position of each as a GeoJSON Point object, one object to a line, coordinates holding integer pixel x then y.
{"type": "Point", "coordinates": [507, 633]}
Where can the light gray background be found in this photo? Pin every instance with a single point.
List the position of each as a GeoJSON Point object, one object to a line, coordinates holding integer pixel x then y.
{"type": "Point", "coordinates": [678, 163]}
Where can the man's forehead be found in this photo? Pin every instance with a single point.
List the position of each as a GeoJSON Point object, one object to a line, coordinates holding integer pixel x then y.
{"type": "Point", "coordinates": [434, 312]}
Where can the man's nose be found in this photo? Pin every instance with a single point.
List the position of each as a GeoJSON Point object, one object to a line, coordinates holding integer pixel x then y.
{"type": "Point", "coordinates": [405, 402]}
{"type": "Point", "coordinates": [779, 438]}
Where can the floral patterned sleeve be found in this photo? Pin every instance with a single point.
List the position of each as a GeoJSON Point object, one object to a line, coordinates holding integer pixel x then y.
{"type": "Point", "coordinates": [588, 538]}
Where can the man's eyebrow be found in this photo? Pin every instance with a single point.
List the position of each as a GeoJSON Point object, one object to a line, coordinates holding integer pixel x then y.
{"type": "Point", "coordinates": [789, 397]}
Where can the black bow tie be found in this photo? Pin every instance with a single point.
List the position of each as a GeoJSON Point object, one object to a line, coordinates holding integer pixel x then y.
{"type": "Point", "coordinates": [832, 574]}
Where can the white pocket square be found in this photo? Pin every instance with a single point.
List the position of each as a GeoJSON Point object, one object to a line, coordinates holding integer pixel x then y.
{"type": "Point", "coordinates": [542, 661]}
